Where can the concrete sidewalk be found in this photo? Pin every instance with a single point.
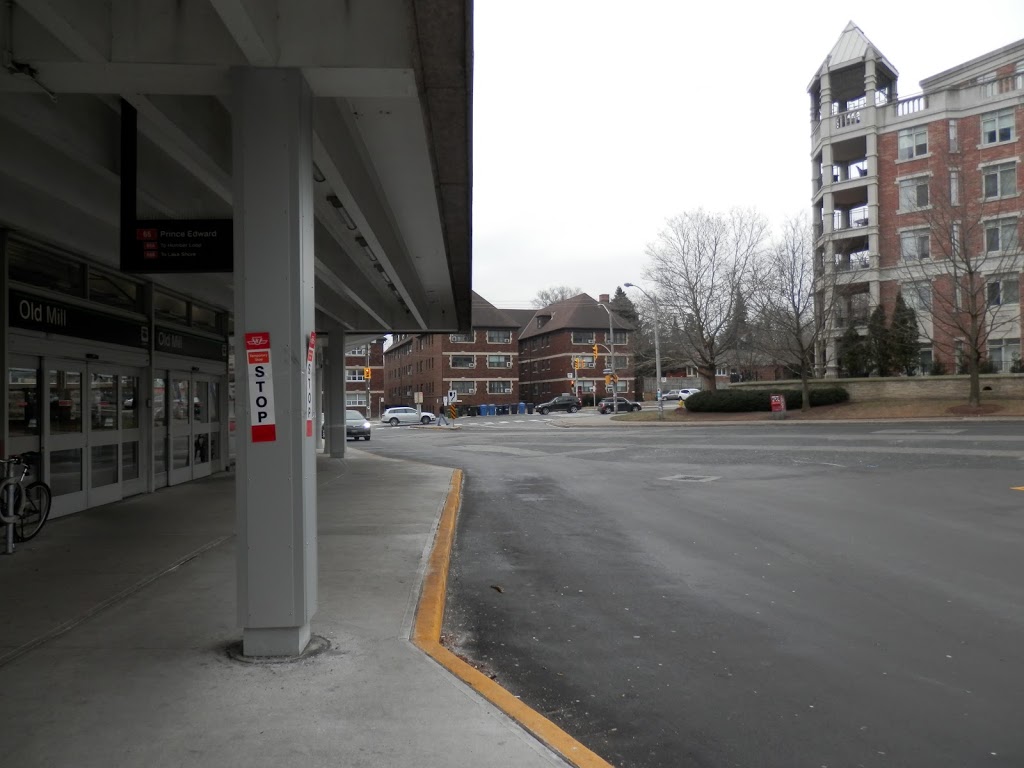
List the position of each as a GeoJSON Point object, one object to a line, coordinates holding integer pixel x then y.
{"type": "Point", "coordinates": [113, 648]}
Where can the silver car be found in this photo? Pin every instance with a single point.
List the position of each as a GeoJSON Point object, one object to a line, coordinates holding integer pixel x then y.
{"type": "Point", "coordinates": [405, 415]}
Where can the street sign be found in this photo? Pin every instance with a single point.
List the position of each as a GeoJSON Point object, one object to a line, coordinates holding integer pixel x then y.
{"type": "Point", "coordinates": [570, 375]}
{"type": "Point", "coordinates": [261, 388]}
{"type": "Point", "coordinates": [453, 396]}
{"type": "Point", "coordinates": [310, 376]}
{"type": "Point", "coordinates": [417, 398]}
{"type": "Point", "coordinates": [196, 245]}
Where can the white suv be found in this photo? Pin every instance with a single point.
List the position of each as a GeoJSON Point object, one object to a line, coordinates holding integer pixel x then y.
{"type": "Point", "coordinates": [405, 415]}
{"type": "Point", "coordinates": [680, 394]}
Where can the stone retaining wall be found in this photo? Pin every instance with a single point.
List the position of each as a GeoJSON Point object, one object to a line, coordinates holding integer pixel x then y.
{"type": "Point", "coordinates": [907, 387]}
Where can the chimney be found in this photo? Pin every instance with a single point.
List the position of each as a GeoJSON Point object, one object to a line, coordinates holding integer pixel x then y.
{"type": "Point", "coordinates": [602, 299]}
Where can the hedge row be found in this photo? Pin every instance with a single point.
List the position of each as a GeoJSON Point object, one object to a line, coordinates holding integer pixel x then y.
{"type": "Point", "coordinates": [736, 400]}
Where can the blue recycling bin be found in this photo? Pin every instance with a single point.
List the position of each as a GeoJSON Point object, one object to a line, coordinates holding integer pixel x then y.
{"type": "Point", "coordinates": [522, 408]}
{"type": "Point", "coordinates": [489, 409]}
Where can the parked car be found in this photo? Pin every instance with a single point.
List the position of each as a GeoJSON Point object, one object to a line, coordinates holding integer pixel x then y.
{"type": "Point", "coordinates": [611, 404]}
{"type": "Point", "coordinates": [403, 414]}
{"type": "Point", "coordinates": [356, 426]}
{"type": "Point", "coordinates": [679, 394]}
{"type": "Point", "coordinates": [569, 403]}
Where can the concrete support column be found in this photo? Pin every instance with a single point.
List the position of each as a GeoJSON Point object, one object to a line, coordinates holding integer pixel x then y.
{"type": "Point", "coordinates": [276, 480]}
{"type": "Point", "coordinates": [336, 393]}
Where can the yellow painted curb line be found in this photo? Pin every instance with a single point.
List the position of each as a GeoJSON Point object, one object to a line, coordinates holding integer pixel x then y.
{"type": "Point", "coordinates": [426, 635]}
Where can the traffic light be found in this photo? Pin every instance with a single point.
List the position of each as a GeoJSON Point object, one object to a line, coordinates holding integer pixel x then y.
{"type": "Point", "coordinates": [615, 378]}
{"type": "Point", "coordinates": [575, 362]}
{"type": "Point", "coordinates": [595, 350]}
{"type": "Point", "coordinates": [607, 380]}
{"type": "Point", "coordinates": [366, 373]}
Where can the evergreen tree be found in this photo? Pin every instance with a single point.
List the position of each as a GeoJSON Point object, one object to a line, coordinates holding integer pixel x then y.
{"type": "Point", "coordinates": [903, 337]}
{"type": "Point", "coordinates": [853, 353]}
{"type": "Point", "coordinates": [879, 342]}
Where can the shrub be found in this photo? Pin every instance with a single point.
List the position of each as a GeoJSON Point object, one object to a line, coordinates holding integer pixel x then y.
{"type": "Point", "coordinates": [938, 368]}
{"type": "Point", "coordinates": [743, 400]}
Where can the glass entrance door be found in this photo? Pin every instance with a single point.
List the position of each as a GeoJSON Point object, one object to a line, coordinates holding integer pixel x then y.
{"type": "Point", "coordinates": [66, 440]}
{"type": "Point", "coordinates": [200, 427]}
{"type": "Point", "coordinates": [104, 436]}
{"type": "Point", "coordinates": [180, 410]}
{"type": "Point", "coordinates": [24, 406]}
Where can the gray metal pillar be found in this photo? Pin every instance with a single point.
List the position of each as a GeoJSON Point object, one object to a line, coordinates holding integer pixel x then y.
{"type": "Point", "coordinates": [336, 392]}
{"type": "Point", "coordinates": [276, 480]}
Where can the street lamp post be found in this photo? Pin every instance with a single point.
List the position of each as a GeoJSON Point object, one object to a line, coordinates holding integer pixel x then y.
{"type": "Point", "coordinates": [611, 360]}
{"type": "Point", "coordinates": [657, 350]}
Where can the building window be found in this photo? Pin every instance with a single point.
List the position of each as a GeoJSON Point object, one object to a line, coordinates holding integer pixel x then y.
{"type": "Point", "coordinates": [918, 296]}
{"type": "Point", "coordinates": [354, 374]}
{"type": "Point", "coordinates": [954, 142]}
{"type": "Point", "coordinates": [464, 387]}
{"type": "Point", "coordinates": [116, 291]}
{"type": "Point", "coordinates": [582, 337]}
{"type": "Point", "coordinates": [997, 127]}
{"type": "Point", "coordinates": [589, 361]}
{"type": "Point", "coordinates": [1002, 353]}
{"type": "Point", "coordinates": [915, 245]}
{"type": "Point", "coordinates": [954, 187]}
{"type": "Point", "coordinates": [357, 399]}
{"type": "Point", "coordinates": [913, 193]}
{"type": "Point", "coordinates": [462, 338]}
{"type": "Point", "coordinates": [913, 142]}
{"type": "Point", "coordinates": [361, 351]}
{"type": "Point", "coordinates": [619, 337]}
{"type": "Point", "coordinates": [463, 361]}
{"type": "Point", "coordinates": [1003, 290]}
{"type": "Point", "coordinates": [499, 337]}
{"type": "Point", "coordinates": [1001, 235]}
{"type": "Point", "coordinates": [621, 362]}
{"type": "Point", "coordinates": [1000, 180]}
{"type": "Point", "coordinates": [499, 387]}
{"type": "Point", "coordinates": [204, 317]}
{"type": "Point", "coordinates": [499, 361]}
{"type": "Point", "coordinates": [171, 308]}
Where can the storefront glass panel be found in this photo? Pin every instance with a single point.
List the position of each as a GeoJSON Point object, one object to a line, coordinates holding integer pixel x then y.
{"type": "Point", "coordinates": [65, 402]}
{"type": "Point", "coordinates": [22, 402]}
{"type": "Point", "coordinates": [66, 471]}
{"type": "Point", "coordinates": [104, 465]}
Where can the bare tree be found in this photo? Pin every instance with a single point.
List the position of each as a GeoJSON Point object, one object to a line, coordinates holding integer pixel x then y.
{"type": "Point", "coordinates": [554, 294]}
{"type": "Point", "coordinates": [700, 264]}
{"type": "Point", "coordinates": [793, 304]}
{"type": "Point", "coordinates": [962, 264]}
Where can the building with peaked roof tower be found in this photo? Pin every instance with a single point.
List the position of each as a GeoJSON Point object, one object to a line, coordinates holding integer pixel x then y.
{"type": "Point", "coordinates": [918, 196]}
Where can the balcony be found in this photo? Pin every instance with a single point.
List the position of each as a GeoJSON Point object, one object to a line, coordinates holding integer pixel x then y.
{"type": "Point", "coordinates": [855, 319]}
{"type": "Point", "coordinates": [848, 262]}
{"type": "Point", "coordinates": [1002, 85]}
{"type": "Point", "coordinates": [854, 218]}
{"type": "Point", "coordinates": [847, 119]}
{"type": "Point", "coordinates": [911, 105]}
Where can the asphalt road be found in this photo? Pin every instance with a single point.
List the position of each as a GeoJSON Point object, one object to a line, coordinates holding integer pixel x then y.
{"type": "Point", "coordinates": [754, 595]}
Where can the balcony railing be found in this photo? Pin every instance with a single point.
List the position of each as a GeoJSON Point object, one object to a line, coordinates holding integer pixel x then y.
{"type": "Point", "coordinates": [858, 260]}
{"type": "Point", "coordinates": [851, 219]}
{"type": "Point", "coordinates": [1002, 85]}
{"type": "Point", "coordinates": [847, 118]}
{"type": "Point", "coordinates": [911, 105]}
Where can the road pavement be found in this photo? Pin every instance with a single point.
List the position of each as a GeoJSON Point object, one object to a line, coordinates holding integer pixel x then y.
{"type": "Point", "coordinates": [751, 595]}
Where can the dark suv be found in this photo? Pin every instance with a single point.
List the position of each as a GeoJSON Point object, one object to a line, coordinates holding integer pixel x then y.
{"type": "Point", "coordinates": [609, 405]}
{"type": "Point", "coordinates": [569, 403]}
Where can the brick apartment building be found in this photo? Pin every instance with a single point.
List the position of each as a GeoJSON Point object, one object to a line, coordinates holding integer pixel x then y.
{"type": "Point", "coordinates": [361, 394]}
{"type": "Point", "coordinates": [509, 356]}
{"type": "Point", "coordinates": [900, 183]}
{"type": "Point", "coordinates": [481, 364]}
{"type": "Point", "coordinates": [569, 329]}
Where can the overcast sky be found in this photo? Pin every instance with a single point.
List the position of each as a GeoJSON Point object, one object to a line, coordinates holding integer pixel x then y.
{"type": "Point", "coordinates": [595, 121]}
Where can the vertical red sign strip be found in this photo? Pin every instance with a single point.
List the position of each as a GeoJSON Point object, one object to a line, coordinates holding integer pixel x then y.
{"type": "Point", "coordinates": [310, 378]}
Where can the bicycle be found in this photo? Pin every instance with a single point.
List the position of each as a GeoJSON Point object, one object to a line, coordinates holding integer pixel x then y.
{"type": "Point", "coordinates": [24, 509]}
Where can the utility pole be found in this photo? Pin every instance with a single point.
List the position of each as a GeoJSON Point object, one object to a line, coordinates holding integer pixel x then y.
{"type": "Point", "coordinates": [611, 360]}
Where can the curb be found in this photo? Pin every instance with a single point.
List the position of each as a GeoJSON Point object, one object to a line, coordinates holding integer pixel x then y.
{"type": "Point", "coordinates": [426, 636]}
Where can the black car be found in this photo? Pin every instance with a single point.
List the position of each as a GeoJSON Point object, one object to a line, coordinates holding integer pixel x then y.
{"type": "Point", "coordinates": [569, 403]}
{"type": "Point", "coordinates": [610, 404]}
